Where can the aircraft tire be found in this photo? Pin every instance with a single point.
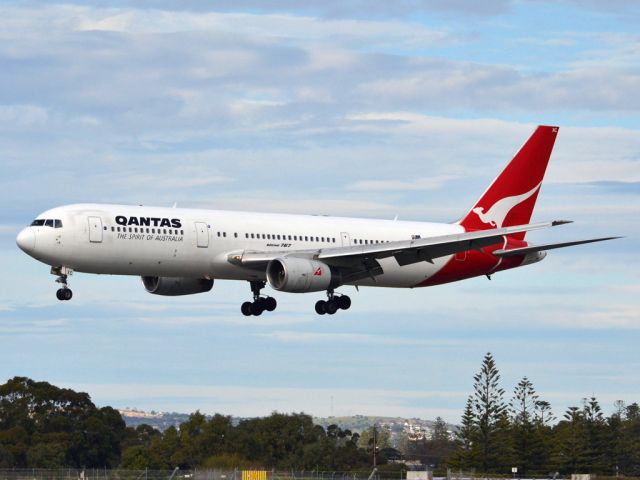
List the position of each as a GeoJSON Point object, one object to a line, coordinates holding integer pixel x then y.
{"type": "Point", "coordinates": [344, 302]}
{"type": "Point", "coordinates": [270, 304]}
{"type": "Point", "coordinates": [331, 306]}
{"type": "Point", "coordinates": [257, 308]}
{"type": "Point", "coordinates": [246, 309]}
{"type": "Point", "coordinates": [60, 294]}
{"type": "Point", "coordinates": [321, 307]}
{"type": "Point", "coordinates": [67, 293]}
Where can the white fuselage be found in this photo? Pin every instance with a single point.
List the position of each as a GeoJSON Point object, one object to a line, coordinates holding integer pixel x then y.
{"type": "Point", "coordinates": [177, 242]}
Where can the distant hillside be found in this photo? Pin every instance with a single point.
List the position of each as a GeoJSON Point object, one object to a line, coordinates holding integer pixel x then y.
{"type": "Point", "coordinates": [356, 423]}
{"type": "Point", "coordinates": [359, 423]}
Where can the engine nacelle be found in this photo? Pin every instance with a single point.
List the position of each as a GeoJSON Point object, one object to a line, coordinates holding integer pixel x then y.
{"type": "Point", "coordinates": [172, 286]}
{"type": "Point", "coordinates": [299, 275]}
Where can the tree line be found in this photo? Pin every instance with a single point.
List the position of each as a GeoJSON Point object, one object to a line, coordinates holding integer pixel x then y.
{"type": "Point", "coordinates": [43, 426]}
{"type": "Point", "coordinates": [496, 435]}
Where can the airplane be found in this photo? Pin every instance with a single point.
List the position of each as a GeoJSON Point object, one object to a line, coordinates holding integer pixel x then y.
{"type": "Point", "coordinates": [180, 251]}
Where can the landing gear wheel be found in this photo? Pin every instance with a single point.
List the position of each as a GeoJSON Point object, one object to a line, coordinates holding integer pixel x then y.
{"type": "Point", "coordinates": [259, 304]}
{"type": "Point", "coordinates": [64, 294]}
{"type": "Point", "coordinates": [246, 309]}
{"type": "Point", "coordinates": [321, 307]}
{"type": "Point", "coordinates": [344, 302]}
{"type": "Point", "coordinates": [331, 306]}
{"type": "Point", "coordinates": [270, 304]}
{"type": "Point", "coordinates": [62, 273]}
{"type": "Point", "coordinates": [257, 308]}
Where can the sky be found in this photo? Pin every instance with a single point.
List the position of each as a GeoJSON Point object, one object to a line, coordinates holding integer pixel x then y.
{"type": "Point", "coordinates": [369, 109]}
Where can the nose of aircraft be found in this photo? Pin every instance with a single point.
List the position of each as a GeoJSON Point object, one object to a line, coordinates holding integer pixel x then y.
{"type": "Point", "coordinates": [26, 240]}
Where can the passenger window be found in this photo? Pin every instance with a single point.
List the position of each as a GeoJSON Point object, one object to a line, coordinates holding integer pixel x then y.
{"type": "Point", "coordinates": [268, 236]}
{"type": "Point", "coordinates": [48, 223]}
{"type": "Point", "coordinates": [278, 237]}
{"type": "Point", "coordinates": [113, 229]}
{"type": "Point", "coordinates": [104, 228]}
{"type": "Point", "coordinates": [224, 234]}
{"type": "Point", "coordinates": [289, 237]}
{"type": "Point", "coordinates": [306, 239]}
{"type": "Point", "coordinates": [263, 236]}
{"type": "Point", "coordinates": [235, 235]}
{"type": "Point", "coordinates": [181, 232]}
{"type": "Point", "coordinates": [252, 235]}
{"type": "Point", "coordinates": [246, 235]}
{"type": "Point", "coordinates": [334, 240]}
{"type": "Point", "coordinates": [218, 233]}
{"type": "Point", "coordinates": [165, 231]}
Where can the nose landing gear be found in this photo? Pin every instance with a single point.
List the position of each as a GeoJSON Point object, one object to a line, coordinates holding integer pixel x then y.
{"type": "Point", "coordinates": [63, 293]}
{"type": "Point", "coordinates": [332, 304]}
{"type": "Point", "coordinates": [259, 304]}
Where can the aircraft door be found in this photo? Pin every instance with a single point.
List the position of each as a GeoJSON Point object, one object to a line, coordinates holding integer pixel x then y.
{"type": "Point", "coordinates": [202, 234]}
{"type": "Point", "coordinates": [346, 241]}
{"type": "Point", "coordinates": [95, 229]}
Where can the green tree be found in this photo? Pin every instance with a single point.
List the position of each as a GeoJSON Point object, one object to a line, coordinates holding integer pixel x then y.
{"type": "Point", "coordinates": [43, 426]}
{"type": "Point", "coordinates": [571, 454]}
{"type": "Point", "coordinates": [465, 456]}
{"type": "Point", "coordinates": [439, 448]}
{"type": "Point", "coordinates": [595, 430]}
{"type": "Point", "coordinates": [488, 407]}
{"type": "Point", "coordinates": [523, 407]}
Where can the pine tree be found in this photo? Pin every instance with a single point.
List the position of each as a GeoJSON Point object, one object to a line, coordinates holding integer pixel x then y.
{"type": "Point", "coordinates": [523, 406]}
{"type": "Point", "coordinates": [488, 407]}
{"type": "Point", "coordinates": [595, 435]}
{"type": "Point", "coordinates": [571, 455]}
{"type": "Point", "coordinates": [465, 456]}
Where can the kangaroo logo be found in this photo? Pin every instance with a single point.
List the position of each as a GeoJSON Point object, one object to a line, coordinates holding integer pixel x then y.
{"type": "Point", "coordinates": [318, 272]}
{"type": "Point", "coordinates": [498, 212]}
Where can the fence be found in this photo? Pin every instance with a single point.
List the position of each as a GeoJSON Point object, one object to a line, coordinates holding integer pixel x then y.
{"type": "Point", "coordinates": [105, 474]}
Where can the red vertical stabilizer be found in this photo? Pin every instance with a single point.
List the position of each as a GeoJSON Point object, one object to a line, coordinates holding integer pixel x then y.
{"type": "Point", "coordinates": [510, 199]}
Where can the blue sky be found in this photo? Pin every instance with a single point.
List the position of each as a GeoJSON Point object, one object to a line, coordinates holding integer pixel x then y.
{"type": "Point", "coordinates": [371, 109]}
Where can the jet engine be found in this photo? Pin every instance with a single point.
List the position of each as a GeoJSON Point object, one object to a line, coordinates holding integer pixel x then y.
{"type": "Point", "coordinates": [299, 275]}
{"type": "Point", "coordinates": [172, 286]}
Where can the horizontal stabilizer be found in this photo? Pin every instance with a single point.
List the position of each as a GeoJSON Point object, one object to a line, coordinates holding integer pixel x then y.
{"type": "Point", "coordinates": [549, 246]}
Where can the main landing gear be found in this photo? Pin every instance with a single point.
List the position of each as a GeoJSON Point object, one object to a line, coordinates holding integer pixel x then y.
{"type": "Point", "coordinates": [63, 293]}
{"type": "Point", "coordinates": [259, 304]}
{"type": "Point", "coordinates": [332, 304]}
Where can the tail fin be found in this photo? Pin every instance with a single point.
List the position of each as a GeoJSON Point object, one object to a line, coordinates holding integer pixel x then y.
{"type": "Point", "coordinates": [510, 199]}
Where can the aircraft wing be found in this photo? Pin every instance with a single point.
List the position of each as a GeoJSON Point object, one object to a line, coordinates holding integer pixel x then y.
{"type": "Point", "coordinates": [362, 260]}
{"type": "Point", "coordinates": [549, 246]}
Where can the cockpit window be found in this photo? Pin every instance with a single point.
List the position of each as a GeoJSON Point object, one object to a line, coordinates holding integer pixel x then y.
{"type": "Point", "coordinates": [54, 223]}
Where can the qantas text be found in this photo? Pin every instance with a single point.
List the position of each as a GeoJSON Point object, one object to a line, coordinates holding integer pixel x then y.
{"type": "Point", "coordinates": [149, 221]}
